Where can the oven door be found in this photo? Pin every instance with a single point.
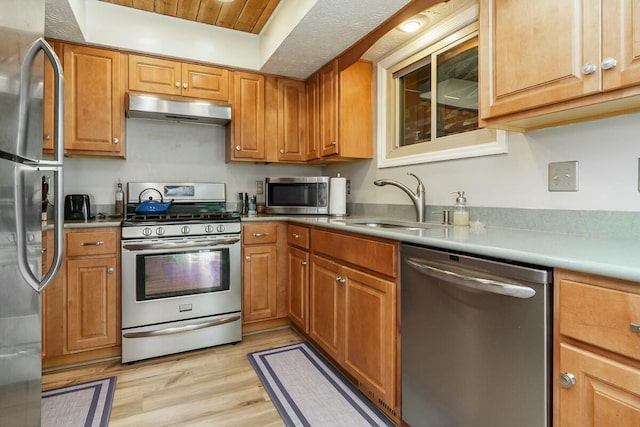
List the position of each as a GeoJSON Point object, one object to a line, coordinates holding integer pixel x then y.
{"type": "Point", "coordinates": [174, 279]}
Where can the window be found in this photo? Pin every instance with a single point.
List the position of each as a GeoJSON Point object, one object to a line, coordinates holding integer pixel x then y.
{"type": "Point", "coordinates": [428, 98]}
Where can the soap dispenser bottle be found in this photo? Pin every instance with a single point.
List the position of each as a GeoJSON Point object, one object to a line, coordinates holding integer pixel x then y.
{"type": "Point", "coordinates": [461, 210]}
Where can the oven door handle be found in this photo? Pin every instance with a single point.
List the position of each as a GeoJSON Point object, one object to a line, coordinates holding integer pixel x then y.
{"type": "Point", "coordinates": [181, 245]}
{"type": "Point", "coordinates": [181, 329]}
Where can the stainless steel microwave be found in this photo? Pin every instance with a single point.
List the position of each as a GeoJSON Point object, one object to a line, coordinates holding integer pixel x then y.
{"type": "Point", "coordinates": [297, 195]}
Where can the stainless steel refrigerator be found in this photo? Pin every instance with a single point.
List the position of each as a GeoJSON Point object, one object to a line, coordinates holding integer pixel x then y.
{"type": "Point", "coordinates": [23, 52]}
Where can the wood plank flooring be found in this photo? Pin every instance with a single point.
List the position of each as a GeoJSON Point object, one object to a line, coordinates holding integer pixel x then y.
{"type": "Point", "coordinates": [211, 387]}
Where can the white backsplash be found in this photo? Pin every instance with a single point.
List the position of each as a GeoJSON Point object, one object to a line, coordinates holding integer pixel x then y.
{"type": "Point", "coordinates": [166, 151]}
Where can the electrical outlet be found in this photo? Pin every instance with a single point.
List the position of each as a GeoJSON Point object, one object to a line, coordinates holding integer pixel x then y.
{"type": "Point", "coordinates": [563, 176]}
{"type": "Point", "coordinates": [259, 187]}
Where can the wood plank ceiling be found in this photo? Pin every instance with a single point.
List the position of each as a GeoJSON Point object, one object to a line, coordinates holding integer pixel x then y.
{"type": "Point", "coordinates": [242, 15]}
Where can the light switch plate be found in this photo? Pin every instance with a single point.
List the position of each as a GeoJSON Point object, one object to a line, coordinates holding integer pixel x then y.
{"type": "Point", "coordinates": [563, 176]}
{"type": "Point", "coordinates": [259, 187]}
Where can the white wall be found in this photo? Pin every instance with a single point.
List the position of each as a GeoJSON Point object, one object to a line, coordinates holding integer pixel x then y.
{"type": "Point", "coordinates": [607, 151]}
{"type": "Point", "coordinates": [165, 151]}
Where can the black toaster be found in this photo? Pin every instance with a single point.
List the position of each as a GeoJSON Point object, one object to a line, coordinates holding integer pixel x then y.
{"type": "Point", "coordinates": [77, 207]}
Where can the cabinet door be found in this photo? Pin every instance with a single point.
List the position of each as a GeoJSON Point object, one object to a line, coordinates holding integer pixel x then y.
{"type": "Point", "coordinates": [205, 82]}
{"type": "Point", "coordinates": [94, 101]}
{"type": "Point", "coordinates": [606, 392]}
{"type": "Point", "coordinates": [247, 142]}
{"type": "Point", "coordinates": [370, 332]}
{"type": "Point", "coordinates": [313, 128]}
{"type": "Point", "coordinates": [292, 120]}
{"type": "Point", "coordinates": [92, 299]}
{"type": "Point", "coordinates": [48, 95]}
{"type": "Point", "coordinates": [259, 283]}
{"type": "Point", "coordinates": [298, 261]}
{"type": "Point", "coordinates": [621, 42]}
{"type": "Point", "coordinates": [328, 109]}
{"type": "Point", "coordinates": [532, 53]}
{"type": "Point", "coordinates": [155, 75]}
{"type": "Point", "coordinates": [326, 306]}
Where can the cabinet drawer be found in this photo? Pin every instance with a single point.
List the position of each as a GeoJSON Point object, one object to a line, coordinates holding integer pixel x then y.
{"type": "Point", "coordinates": [253, 234]}
{"type": "Point", "coordinates": [298, 236]}
{"type": "Point", "coordinates": [375, 255]}
{"type": "Point", "coordinates": [93, 242]}
{"type": "Point", "coordinates": [600, 316]}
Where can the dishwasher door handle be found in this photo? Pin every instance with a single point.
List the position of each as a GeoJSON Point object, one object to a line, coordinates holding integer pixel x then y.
{"type": "Point", "coordinates": [475, 283]}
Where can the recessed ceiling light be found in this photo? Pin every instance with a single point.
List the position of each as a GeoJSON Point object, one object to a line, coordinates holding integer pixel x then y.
{"type": "Point", "coordinates": [411, 26]}
{"type": "Point", "coordinates": [225, 1]}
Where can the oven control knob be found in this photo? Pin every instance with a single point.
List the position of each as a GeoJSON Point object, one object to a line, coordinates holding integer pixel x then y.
{"type": "Point", "coordinates": [146, 231]}
{"type": "Point", "coordinates": [160, 231]}
{"type": "Point", "coordinates": [208, 229]}
{"type": "Point", "coordinates": [185, 230]}
{"type": "Point", "coordinates": [220, 228]}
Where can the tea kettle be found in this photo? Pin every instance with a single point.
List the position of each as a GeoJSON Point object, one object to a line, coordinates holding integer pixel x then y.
{"type": "Point", "coordinates": [151, 206]}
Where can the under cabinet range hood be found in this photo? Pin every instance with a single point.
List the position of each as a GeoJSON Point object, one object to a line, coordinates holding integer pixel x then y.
{"type": "Point", "coordinates": [183, 110]}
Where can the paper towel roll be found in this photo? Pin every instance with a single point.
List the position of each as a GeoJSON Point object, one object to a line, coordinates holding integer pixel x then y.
{"type": "Point", "coordinates": [338, 196]}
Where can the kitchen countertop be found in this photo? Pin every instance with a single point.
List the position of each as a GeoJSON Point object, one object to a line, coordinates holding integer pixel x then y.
{"type": "Point", "coordinates": [617, 258]}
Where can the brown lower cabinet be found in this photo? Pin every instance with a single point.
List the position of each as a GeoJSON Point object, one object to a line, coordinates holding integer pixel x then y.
{"type": "Point", "coordinates": [597, 363]}
{"type": "Point", "coordinates": [81, 307]}
{"type": "Point", "coordinates": [264, 286]}
{"type": "Point", "coordinates": [353, 310]}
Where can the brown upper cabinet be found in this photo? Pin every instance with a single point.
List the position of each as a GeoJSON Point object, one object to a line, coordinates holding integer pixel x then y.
{"type": "Point", "coordinates": [247, 134]}
{"type": "Point", "coordinates": [345, 109]}
{"type": "Point", "coordinates": [94, 101]}
{"type": "Point", "coordinates": [557, 61]}
{"type": "Point", "coordinates": [154, 75]}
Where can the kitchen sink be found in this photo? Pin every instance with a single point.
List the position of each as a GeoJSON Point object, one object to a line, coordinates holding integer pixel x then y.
{"type": "Point", "coordinates": [393, 224]}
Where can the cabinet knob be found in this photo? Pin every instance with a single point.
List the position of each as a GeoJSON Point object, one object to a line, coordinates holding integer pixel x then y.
{"type": "Point", "coordinates": [238, 148]}
{"type": "Point", "coordinates": [177, 84]}
{"type": "Point", "coordinates": [296, 235]}
{"type": "Point", "coordinates": [567, 379]}
{"type": "Point", "coordinates": [608, 63]}
{"type": "Point", "coordinates": [247, 258]}
{"type": "Point", "coordinates": [341, 280]}
{"type": "Point", "coordinates": [589, 68]}
{"type": "Point", "coordinates": [185, 86]}
{"type": "Point", "coordinates": [635, 328]}
{"type": "Point", "coordinates": [110, 270]}
{"type": "Point", "coordinates": [116, 140]}
{"type": "Point", "coordinates": [47, 137]}
{"type": "Point", "coordinates": [282, 151]}
{"type": "Point", "coordinates": [303, 263]}
{"type": "Point", "coordinates": [333, 143]}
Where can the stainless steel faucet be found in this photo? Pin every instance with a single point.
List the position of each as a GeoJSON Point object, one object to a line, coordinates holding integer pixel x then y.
{"type": "Point", "coordinates": [418, 198]}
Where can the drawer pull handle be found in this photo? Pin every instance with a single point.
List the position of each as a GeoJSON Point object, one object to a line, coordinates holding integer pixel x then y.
{"type": "Point", "coordinates": [296, 236]}
{"type": "Point", "coordinates": [635, 328]}
{"type": "Point", "coordinates": [260, 234]}
{"type": "Point", "coordinates": [98, 243]}
{"type": "Point", "coordinates": [567, 379]}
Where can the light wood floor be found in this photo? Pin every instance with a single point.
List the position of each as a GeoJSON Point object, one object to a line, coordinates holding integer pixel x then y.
{"type": "Point", "coordinates": [211, 387]}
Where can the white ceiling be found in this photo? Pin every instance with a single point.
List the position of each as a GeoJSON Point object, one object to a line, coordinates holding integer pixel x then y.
{"type": "Point", "coordinates": [302, 35]}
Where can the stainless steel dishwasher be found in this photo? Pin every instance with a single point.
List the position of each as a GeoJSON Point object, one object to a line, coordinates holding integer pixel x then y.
{"type": "Point", "coordinates": [476, 341]}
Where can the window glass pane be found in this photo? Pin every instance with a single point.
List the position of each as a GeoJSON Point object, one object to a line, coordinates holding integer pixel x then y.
{"type": "Point", "coordinates": [415, 102]}
{"type": "Point", "coordinates": [457, 90]}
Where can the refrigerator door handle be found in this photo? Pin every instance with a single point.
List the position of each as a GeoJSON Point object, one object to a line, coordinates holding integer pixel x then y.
{"type": "Point", "coordinates": [56, 166]}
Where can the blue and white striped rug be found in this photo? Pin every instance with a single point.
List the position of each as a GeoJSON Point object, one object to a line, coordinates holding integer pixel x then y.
{"type": "Point", "coordinates": [308, 391]}
{"type": "Point", "coordinates": [80, 405]}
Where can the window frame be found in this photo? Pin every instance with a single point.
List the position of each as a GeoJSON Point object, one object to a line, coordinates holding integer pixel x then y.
{"type": "Point", "coordinates": [482, 142]}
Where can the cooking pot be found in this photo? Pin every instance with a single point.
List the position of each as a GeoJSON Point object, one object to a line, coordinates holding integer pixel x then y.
{"type": "Point", "coordinates": [151, 206]}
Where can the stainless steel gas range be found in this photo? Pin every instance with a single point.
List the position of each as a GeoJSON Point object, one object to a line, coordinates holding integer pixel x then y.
{"type": "Point", "coordinates": [181, 278]}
